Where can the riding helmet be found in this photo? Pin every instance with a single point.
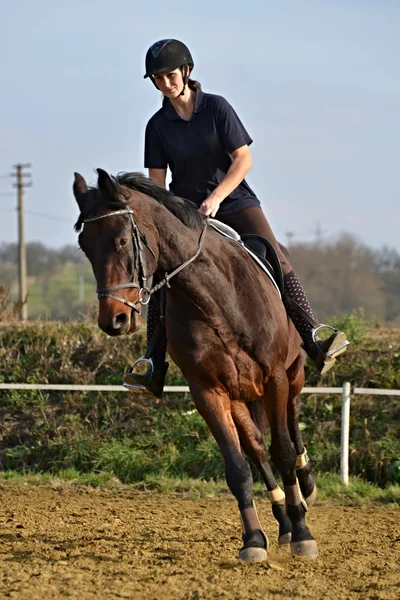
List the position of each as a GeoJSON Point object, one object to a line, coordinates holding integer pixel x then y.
{"type": "Point", "coordinates": [167, 55]}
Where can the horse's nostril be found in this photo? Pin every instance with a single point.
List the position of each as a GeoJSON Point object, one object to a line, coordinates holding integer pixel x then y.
{"type": "Point", "coordinates": [120, 320]}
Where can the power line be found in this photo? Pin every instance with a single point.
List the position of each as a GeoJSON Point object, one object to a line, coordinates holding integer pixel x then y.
{"type": "Point", "coordinates": [45, 216]}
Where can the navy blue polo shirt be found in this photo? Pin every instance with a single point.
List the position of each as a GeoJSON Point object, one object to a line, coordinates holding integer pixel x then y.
{"type": "Point", "coordinates": [198, 151]}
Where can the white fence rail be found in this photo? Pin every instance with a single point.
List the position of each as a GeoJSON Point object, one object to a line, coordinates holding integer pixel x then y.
{"type": "Point", "coordinates": [346, 391]}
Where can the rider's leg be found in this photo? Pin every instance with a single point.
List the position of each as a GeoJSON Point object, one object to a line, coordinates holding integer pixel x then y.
{"type": "Point", "coordinates": [152, 381]}
{"type": "Point", "coordinates": [322, 352]}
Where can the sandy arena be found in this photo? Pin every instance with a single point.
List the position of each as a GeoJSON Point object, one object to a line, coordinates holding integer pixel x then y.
{"type": "Point", "coordinates": [66, 542]}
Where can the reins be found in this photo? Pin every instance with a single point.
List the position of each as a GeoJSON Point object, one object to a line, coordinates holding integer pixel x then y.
{"type": "Point", "coordinates": [140, 264]}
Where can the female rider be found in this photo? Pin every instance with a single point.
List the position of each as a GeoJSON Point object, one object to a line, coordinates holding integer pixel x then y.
{"type": "Point", "coordinates": [201, 139]}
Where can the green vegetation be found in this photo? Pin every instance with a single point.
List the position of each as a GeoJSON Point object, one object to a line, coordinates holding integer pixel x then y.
{"type": "Point", "coordinates": [101, 436]}
{"type": "Point", "coordinates": [330, 489]}
{"type": "Point", "coordinates": [339, 274]}
{"type": "Point", "coordinates": [61, 294]}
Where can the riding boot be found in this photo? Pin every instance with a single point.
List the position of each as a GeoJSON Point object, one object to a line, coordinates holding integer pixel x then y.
{"type": "Point", "coordinates": [151, 382]}
{"type": "Point", "coordinates": [322, 352]}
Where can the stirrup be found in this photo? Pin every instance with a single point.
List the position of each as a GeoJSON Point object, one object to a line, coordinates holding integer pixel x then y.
{"type": "Point", "coordinates": [335, 351]}
{"type": "Point", "coordinates": [139, 386]}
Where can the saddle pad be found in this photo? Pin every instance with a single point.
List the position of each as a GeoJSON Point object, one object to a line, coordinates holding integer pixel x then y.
{"type": "Point", "coordinates": [228, 232]}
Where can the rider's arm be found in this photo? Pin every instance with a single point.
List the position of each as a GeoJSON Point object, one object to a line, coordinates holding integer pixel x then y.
{"type": "Point", "coordinates": [241, 165]}
{"type": "Point", "coordinates": [155, 158]}
{"type": "Point", "coordinates": [235, 140]}
{"type": "Point", "coordinates": [158, 175]}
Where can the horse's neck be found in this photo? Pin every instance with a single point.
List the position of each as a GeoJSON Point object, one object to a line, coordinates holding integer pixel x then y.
{"type": "Point", "coordinates": [219, 270]}
{"type": "Point", "coordinates": [177, 243]}
{"type": "Point", "coordinates": [210, 274]}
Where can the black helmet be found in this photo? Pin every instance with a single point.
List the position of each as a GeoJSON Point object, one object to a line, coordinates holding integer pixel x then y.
{"type": "Point", "coordinates": [167, 55]}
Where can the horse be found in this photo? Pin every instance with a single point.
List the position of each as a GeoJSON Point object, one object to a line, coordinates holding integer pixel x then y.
{"type": "Point", "coordinates": [227, 331]}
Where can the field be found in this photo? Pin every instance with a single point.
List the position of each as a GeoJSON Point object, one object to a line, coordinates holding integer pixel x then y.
{"type": "Point", "coordinates": [61, 541]}
{"type": "Point", "coordinates": [119, 496]}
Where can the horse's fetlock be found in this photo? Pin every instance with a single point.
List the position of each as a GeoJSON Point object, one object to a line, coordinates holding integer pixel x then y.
{"type": "Point", "coordinates": [306, 482]}
{"type": "Point", "coordinates": [300, 531]}
{"type": "Point", "coordinates": [285, 524]}
{"type": "Point", "coordinates": [255, 539]}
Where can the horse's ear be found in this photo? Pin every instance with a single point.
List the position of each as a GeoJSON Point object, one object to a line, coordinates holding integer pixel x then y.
{"type": "Point", "coordinates": [108, 185]}
{"type": "Point", "coordinates": [80, 188]}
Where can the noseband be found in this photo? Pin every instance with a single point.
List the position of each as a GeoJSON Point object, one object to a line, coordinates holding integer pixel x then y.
{"type": "Point", "coordinates": [140, 264]}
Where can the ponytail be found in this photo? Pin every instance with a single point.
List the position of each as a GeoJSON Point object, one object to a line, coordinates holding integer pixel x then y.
{"type": "Point", "coordinates": [194, 85]}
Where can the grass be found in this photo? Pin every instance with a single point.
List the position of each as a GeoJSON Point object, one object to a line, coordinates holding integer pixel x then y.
{"type": "Point", "coordinates": [58, 295]}
{"type": "Point", "coordinates": [141, 440]}
{"type": "Point", "coordinates": [330, 489]}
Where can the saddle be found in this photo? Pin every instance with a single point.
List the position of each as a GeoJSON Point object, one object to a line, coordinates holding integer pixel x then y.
{"type": "Point", "coordinates": [256, 246]}
{"type": "Point", "coordinates": [260, 250]}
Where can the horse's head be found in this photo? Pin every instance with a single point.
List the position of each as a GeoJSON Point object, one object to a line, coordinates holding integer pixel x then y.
{"type": "Point", "coordinates": [122, 255]}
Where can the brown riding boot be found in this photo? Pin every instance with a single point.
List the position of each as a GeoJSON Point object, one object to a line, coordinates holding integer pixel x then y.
{"type": "Point", "coordinates": [322, 352]}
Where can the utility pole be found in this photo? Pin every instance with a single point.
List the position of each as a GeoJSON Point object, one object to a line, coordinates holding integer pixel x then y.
{"type": "Point", "coordinates": [319, 232]}
{"type": "Point", "coordinates": [23, 286]}
{"type": "Point", "coordinates": [289, 237]}
{"type": "Point", "coordinates": [81, 289]}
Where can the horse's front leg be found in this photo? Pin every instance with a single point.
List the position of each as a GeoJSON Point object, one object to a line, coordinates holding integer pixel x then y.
{"type": "Point", "coordinates": [215, 407]}
{"type": "Point", "coordinates": [252, 441]}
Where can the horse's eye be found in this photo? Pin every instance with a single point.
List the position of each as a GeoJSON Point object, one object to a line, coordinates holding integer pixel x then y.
{"type": "Point", "coordinates": [123, 242]}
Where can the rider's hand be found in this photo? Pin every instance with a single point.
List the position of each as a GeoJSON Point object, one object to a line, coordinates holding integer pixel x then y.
{"type": "Point", "coordinates": [210, 206]}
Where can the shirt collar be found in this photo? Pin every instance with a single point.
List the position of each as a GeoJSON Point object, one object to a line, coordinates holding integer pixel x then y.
{"type": "Point", "coordinates": [199, 105]}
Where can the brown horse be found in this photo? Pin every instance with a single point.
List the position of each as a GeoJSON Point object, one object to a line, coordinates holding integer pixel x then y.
{"type": "Point", "coordinates": [227, 330]}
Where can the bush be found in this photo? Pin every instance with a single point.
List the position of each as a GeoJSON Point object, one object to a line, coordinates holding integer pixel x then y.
{"type": "Point", "coordinates": [136, 438]}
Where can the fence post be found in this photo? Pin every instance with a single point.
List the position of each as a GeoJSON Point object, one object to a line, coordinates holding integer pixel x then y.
{"type": "Point", "coordinates": [344, 442]}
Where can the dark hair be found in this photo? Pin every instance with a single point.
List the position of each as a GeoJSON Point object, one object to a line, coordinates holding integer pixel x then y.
{"type": "Point", "coordinates": [194, 85]}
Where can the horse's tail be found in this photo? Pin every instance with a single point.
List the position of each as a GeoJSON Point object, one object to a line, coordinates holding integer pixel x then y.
{"type": "Point", "coordinates": [257, 413]}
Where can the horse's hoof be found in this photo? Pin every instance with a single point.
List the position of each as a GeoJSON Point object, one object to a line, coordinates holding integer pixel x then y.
{"type": "Point", "coordinates": [251, 555]}
{"type": "Point", "coordinates": [312, 497]}
{"type": "Point", "coordinates": [285, 539]}
{"type": "Point", "coordinates": [305, 549]}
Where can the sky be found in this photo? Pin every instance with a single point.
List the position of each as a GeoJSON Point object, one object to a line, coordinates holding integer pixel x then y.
{"type": "Point", "coordinates": [315, 82]}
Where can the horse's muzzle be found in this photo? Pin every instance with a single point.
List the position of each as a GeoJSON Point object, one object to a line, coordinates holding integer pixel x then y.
{"type": "Point", "coordinates": [121, 323]}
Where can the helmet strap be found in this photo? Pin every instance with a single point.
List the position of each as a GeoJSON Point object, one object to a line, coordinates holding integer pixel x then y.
{"type": "Point", "coordinates": [154, 82]}
{"type": "Point", "coordinates": [185, 75]}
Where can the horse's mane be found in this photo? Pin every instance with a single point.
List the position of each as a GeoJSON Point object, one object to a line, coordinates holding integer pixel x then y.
{"type": "Point", "coordinates": [184, 210]}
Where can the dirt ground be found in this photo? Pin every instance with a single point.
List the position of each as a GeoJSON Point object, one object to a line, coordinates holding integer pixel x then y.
{"type": "Point", "coordinates": [66, 542]}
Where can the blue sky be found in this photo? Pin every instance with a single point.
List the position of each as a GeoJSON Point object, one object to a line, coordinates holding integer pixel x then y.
{"type": "Point", "coordinates": [316, 83]}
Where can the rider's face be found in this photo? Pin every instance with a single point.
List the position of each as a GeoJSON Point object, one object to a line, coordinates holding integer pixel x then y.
{"type": "Point", "coordinates": [170, 84]}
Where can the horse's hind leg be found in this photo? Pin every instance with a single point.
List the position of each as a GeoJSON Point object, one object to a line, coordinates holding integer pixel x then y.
{"type": "Point", "coordinates": [215, 408]}
{"type": "Point", "coordinates": [283, 454]}
{"type": "Point", "coordinates": [252, 441]}
{"type": "Point", "coordinates": [303, 464]}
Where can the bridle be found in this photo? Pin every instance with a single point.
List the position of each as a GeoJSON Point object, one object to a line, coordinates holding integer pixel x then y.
{"type": "Point", "coordinates": [139, 264]}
